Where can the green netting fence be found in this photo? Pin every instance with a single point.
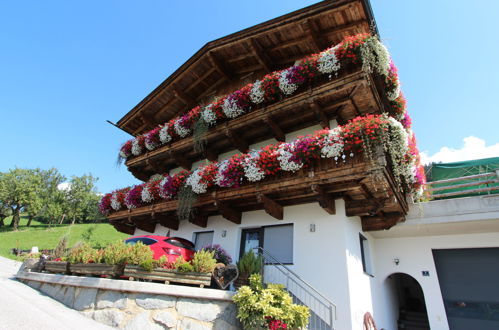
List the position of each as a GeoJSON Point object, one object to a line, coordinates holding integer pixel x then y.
{"type": "Point", "coordinates": [479, 177]}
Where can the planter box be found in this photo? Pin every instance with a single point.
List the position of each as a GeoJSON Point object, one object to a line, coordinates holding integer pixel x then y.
{"type": "Point", "coordinates": [61, 267]}
{"type": "Point", "coordinates": [167, 276]}
{"type": "Point", "coordinates": [96, 269]}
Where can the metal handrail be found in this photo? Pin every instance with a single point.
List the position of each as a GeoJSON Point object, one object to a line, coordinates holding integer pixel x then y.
{"type": "Point", "coordinates": [327, 303]}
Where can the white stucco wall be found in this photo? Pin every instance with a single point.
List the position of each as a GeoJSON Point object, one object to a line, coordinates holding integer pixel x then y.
{"type": "Point", "coordinates": [415, 255]}
{"type": "Point", "coordinates": [329, 258]}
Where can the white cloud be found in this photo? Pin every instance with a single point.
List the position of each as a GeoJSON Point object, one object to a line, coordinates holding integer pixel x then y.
{"type": "Point", "coordinates": [63, 186]}
{"type": "Point", "coordinates": [473, 148]}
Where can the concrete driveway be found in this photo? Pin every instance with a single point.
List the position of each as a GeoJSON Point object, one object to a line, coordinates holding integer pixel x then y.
{"type": "Point", "coordinates": [22, 307]}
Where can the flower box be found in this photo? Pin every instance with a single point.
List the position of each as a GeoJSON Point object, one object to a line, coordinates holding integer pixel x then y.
{"type": "Point", "coordinates": [167, 275]}
{"type": "Point", "coordinates": [96, 269]}
{"type": "Point", "coordinates": [58, 267]}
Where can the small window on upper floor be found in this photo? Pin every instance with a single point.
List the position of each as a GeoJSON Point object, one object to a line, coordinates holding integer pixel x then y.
{"type": "Point", "coordinates": [366, 255]}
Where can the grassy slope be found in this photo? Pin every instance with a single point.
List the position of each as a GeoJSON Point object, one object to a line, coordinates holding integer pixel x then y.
{"type": "Point", "coordinates": [47, 238]}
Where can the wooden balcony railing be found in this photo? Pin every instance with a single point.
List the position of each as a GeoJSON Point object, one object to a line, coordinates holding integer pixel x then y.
{"type": "Point", "coordinates": [479, 184]}
{"type": "Point", "coordinates": [367, 186]}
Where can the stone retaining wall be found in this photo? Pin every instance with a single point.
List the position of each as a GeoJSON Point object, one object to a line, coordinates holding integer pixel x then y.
{"type": "Point", "coordinates": [139, 305]}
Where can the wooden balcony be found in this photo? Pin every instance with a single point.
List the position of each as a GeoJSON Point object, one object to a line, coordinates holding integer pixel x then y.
{"type": "Point", "coordinates": [351, 94]}
{"type": "Point", "coordinates": [367, 186]}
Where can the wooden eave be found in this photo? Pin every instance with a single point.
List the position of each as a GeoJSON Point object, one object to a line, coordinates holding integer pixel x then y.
{"type": "Point", "coordinates": [367, 186]}
{"type": "Point", "coordinates": [227, 63]}
{"type": "Point", "coordinates": [351, 94]}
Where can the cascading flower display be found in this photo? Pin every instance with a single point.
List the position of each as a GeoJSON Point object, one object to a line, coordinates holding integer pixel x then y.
{"type": "Point", "coordinates": [361, 48]}
{"type": "Point", "coordinates": [362, 135]}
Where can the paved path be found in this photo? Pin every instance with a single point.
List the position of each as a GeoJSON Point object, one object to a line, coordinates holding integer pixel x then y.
{"type": "Point", "coordinates": [24, 308]}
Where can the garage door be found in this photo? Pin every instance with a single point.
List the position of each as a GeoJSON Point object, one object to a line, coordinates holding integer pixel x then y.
{"type": "Point", "coordinates": [469, 281]}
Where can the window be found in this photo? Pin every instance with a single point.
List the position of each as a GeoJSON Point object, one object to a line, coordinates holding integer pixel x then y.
{"type": "Point", "coordinates": [276, 240]}
{"type": "Point", "coordinates": [366, 257]}
{"type": "Point", "coordinates": [144, 240]}
{"type": "Point", "coordinates": [180, 242]}
{"type": "Point", "coordinates": [203, 239]}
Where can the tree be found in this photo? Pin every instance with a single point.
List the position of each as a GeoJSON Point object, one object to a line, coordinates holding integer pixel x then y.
{"type": "Point", "coordinates": [16, 188]}
{"type": "Point", "coordinates": [45, 194]}
{"type": "Point", "coordinates": [5, 211]}
{"type": "Point", "coordinates": [81, 197]}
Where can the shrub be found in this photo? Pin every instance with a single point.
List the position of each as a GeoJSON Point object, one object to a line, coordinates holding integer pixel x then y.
{"type": "Point", "coordinates": [203, 261]}
{"type": "Point", "coordinates": [264, 307]}
{"type": "Point", "coordinates": [250, 263]}
{"type": "Point", "coordinates": [60, 249]}
{"type": "Point", "coordinates": [220, 254]}
{"type": "Point", "coordinates": [84, 253]}
{"type": "Point", "coordinates": [116, 253]}
{"type": "Point", "coordinates": [140, 255]}
{"type": "Point", "coordinates": [182, 266]}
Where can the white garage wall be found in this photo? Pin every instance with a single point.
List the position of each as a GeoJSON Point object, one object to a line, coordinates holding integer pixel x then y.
{"type": "Point", "coordinates": [415, 255]}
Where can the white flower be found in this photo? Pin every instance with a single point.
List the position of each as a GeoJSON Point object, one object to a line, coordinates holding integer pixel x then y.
{"type": "Point", "coordinates": [123, 154]}
{"type": "Point", "coordinates": [161, 185]}
{"type": "Point", "coordinates": [220, 177]}
{"type": "Point", "coordinates": [328, 62]}
{"type": "Point", "coordinates": [115, 204]}
{"type": "Point", "coordinates": [257, 93]}
{"type": "Point", "coordinates": [194, 181]}
{"type": "Point", "coordinates": [136, 149]}
{"type": "Point", "coordinates": [231, 108]}
{"type": "Point", "coordinates": [392, 95]}
{"type": "Point", "coordinates": [164, 137]}
{"type": "Point", "coordinates": [180, 129]}
{"type": "Point", "coordinates": [284, 85]}
{"type": "Point", "coordinates": [150, 145]}
{"type": "Point", "coordinates": [251, 169]}
{"type": "Point", "coordinates": [146, 195]}
{"type": "Point", "coordinates": [333, 144]}
{"type": "Point", "coordinates": [285, 152]}
{"type": "Point", "coordinates": [208, 115]}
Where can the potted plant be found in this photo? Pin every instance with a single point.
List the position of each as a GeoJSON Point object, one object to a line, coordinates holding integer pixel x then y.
{"type": "Point", "coordinates": [57, 263]}
{"type": "Point", "coordinates": [268, 307]}
{"type": "Point", "coordinates": [85, 260]}
{"type": "Point", "coordinates": [221, 256]}
{"type": "Point", "coordinates": [197, 272]}
{"type": "Point", "coordinates": [248, 264]}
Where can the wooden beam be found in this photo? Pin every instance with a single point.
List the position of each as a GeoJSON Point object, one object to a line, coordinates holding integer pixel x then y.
{"type": "Point", "coordinates": [325, 200]}
{"type": "Point", "coordinates": [139, 129]}
{"type": "Point", "coordinates": [260, 55]}
{"type": "Point", "coordinates": [145, 224]}
{"type": "Point", "coordinates": [168, 220]}
{"type": "Point", "coordinates": [271, 207]}
{"type": "Point", "coordinates": [228, 212]}
{"type": "Point", "coordinates": [220, 67]}
{"type": "Point", "coordinates": [210, 154]}
{"type": "Point", "coordinates": [199, 219]}
{"type": "Point", "coordinates": [139, 174]}
{"type": "Point", "coordinates": [237, 140]}
{"type": "Point", "coordinates": [180, 159]}
{"type": "Point", "coordinates": [383, 222]}
{"type": "Point", "coordinates": [312, 34]}
{"type": "Point", "coordinates": [361, 207]}
{"type": "Point", "coordinates": [186, 99]}
{"type": "Point", "coordinates": [155, 165]}
{"type": "Point", "coordinates": [320, 114]}
{"type": "Point", "coordinates": [149, 120]}
{"type": "Point", "coordinates": [276, 130]}
{"type": "Point", "coordinates": [130, 230]}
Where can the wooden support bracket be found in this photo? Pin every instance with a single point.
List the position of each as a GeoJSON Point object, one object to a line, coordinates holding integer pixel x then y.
{"type": "Point", "coordinates": [276, 130]}
{"type": "Point", "coordinates": [199, 219]}
{"type": "Point", "coordinates": [228, 212]}
{"type": "Point", "coordinates": [155, 165]}
{"type": "Point", "coordinates": [237, 140]}
{"type": "Point", "coordinates": [186, 99]}
{"type": "Point", "coordinates": [325, 200]}
{"type": "Point", "coordinates": [260, 55]}
{"type": "Point", "coordinates": [144, 224]}
{"type": "Point", "coordinates": [130, 230]}
{"type": "Point", "coordinates": [383, 222]}
{"type": "Point", "coordinates": [313, 34]}
{"type": "Point", "coordinates": [271, 207]}
{"type": "Point", "coordinates": [168, 220]}
{"type": "Point", "coordinates": [210, 154]}
{"type": "Point", "coordinates": [321, 116]}
{"type": "Point", "coordinates": [220, 67]}
{"type": "Point", "coordinates": [180, 159]}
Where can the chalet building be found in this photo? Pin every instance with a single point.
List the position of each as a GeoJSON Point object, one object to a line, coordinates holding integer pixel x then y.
{"type": "Point", "coordinates": [291, 137]}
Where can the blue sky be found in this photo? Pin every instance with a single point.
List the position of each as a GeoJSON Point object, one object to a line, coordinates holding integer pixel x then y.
{"type": "Point", "coordinates": [67, 66]}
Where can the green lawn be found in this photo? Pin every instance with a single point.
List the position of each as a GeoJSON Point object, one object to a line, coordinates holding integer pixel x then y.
{"type": "Point", "coordinates": [38, 234]}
